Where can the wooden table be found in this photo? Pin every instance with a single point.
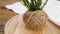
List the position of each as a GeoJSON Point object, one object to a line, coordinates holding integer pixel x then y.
{"type": "Point", "coordinates": [10, 28]}
{"type": "Point", "coordinates": [5, 15]}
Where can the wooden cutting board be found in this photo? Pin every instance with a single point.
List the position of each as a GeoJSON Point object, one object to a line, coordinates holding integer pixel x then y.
{"type": "Point", "coordinates": [14, 26]}
{"type": "Point", "coordinates": [51, 28]}
{"type": "Point", "coordinates": [5, 15]}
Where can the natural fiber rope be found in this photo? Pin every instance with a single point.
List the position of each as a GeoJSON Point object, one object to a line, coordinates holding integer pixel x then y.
{"type": "Point", "coordinates": [35, 20]}
{"type": "Point", "coordinates": [30, 17]}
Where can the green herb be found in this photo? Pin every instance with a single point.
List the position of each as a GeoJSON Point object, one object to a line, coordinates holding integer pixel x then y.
{"type": "Point", "coordinates": [34, 4]}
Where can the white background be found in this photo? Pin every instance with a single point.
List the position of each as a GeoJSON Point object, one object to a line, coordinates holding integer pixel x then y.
{"type": "Point", "coordinates": [52, 9]}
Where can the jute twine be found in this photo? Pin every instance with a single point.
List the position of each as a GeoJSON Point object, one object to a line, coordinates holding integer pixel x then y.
{"type": "Point", "coordinates": [35, 20]}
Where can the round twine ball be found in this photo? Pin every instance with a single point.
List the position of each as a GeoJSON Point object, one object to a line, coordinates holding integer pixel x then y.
{"type": "Point", "coordinates": [35, 20]}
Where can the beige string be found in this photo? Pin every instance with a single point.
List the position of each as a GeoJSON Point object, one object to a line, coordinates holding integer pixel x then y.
{"type": "Point", "coordinates": [30, 17]}
{"type": "Point", "coordinates": [35, 20]}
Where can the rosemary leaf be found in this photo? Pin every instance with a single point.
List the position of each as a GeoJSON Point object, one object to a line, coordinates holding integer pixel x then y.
{"type": "Point", "coordinates": [44, 4]}
{"type": "Point", "coordinates": [26, 3]}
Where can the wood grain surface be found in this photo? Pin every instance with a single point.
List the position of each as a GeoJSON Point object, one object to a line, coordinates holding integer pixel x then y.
{"type": "Point", "coordinates": [5, 15]}
{"type": "Point", "coordinates": [16, 26]}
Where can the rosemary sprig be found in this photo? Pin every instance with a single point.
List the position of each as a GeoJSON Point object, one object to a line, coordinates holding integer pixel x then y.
{"type": "Point", "coordinates": [34, 4]}
{"type": "Point", "coordinates": [44, 4]}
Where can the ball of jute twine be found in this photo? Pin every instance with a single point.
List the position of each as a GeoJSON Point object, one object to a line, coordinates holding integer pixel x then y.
{"type": "Point", "coordinates": [35, 20]}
